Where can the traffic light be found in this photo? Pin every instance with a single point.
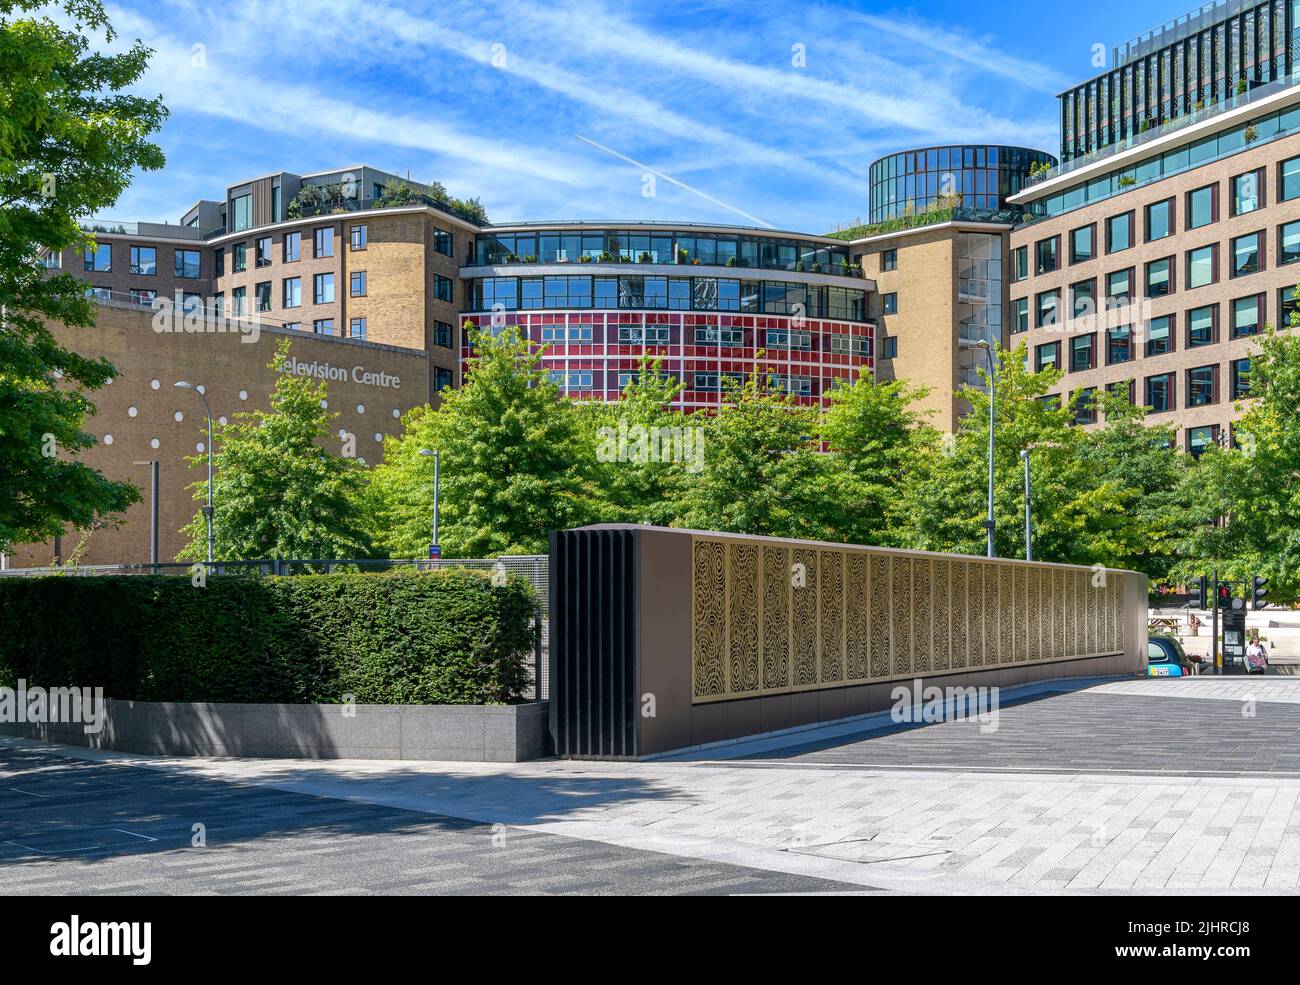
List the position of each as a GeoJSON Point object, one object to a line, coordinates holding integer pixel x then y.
{"type": "Point", "coordinates": [1224, 595]}
{"type": "Point", "coordinates": [1259, 588]}
{"type": "Point", "coordinates": [1203, 592]}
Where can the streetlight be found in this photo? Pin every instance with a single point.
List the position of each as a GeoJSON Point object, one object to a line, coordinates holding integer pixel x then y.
{"type": "Point", "coordinates": [207, 510]}
{"type": "Point", "coordinates": [435, 551]}
{"type": "Point", "coordinates": [1029, 530]}
{"type": "Point", "coordinates": [993, 409]}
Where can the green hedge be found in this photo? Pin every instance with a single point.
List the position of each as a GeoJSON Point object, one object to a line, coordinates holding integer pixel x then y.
{"type": "Point", "coordinates": [442, 637]}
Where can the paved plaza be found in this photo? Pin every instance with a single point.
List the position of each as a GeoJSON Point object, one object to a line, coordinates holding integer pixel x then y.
{"type": "Point", "coordinates": [1119, 786]}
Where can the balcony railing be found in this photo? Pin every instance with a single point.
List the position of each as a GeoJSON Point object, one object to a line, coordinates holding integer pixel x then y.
{"type": "Point", "coordinates": [656, 257]}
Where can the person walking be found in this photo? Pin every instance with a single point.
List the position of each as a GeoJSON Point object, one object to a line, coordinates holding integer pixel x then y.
{"type": "Point", "coordinates": [1256, 657]}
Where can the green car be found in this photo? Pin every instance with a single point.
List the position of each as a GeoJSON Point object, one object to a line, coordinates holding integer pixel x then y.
{"type": "Point", "coordinates": [1166, 657]}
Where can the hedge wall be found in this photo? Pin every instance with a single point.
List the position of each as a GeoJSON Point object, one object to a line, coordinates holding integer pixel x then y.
{"type": "Point", "coordinates": [444, 637]}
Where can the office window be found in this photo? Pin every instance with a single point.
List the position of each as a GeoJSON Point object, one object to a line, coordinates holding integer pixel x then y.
{"type": "Point", "coordinates": [1045, 254]}
{"type": "Point", "coordinates": [889, 260]}
{"type": "Point", "coordinates": [292, 247]}
{"type": "Point", "coordinates": [1246, 192]}
{"type": "Point", "coordinates": [1082, 350]}
{"type": "Point", "coordinates": [1202, 386]}
{"type": "Point", "coordinates": [1119, 285]}
{"type": "Point", "coordinates": [295, 326]}
{"type": "Point", "coordinates": [262, 293]}
{"type": "Point", "coordinates": [1083, 299]}
{"type": "Point", "coordinates": [1085, 407]}
{"type": "Point", "coordinates": [292, 289]}
{"type": "Point", "coordinates": [1240, 378]}
{"type": "Point", "coordinates": [219, 304]}
{"type": "Point", "coordinates": [357, 239]}
{"type": "Point", "coordinates": [262, 250]}
{"type": "Point", "coordinates": [1289, 179]}
{"type": "Point", "coordinates": [239, 258]}
{"type": "Point", "coordinates": [1199, 439]}
{"type": "Point", "coordinates": [1160, 336]}
{"type": "Point", "coordinates": [142, 296]}
{"type": "Point", "coordinates": [357, 283]}
{"type": "Point", "coordinates": [1047, 356]}
{"type": "Point", "coordinates": [1045, 305]}
{"type": "Point", "coordinates": [1125, 390]}
{"type": "Point", "coordinates": [1160, 393]}
{"type": "Point", "coordinates": [1020, 315]}
{"type": "Point", "coordinates": [1160, 220]}
{"type": "Point", "coordinates": [1288, 307]}
{"type": "Point", "coordinates": [323, 326]}
{"type": "Point", "coordinates": [1289, 243]}
{"type": "Point", "coordinates": [239, 302]}
{"type": "Point", "coordinates": [442, 334]}
{"type": "Point", "coordinates": [1160, 277]}
{"type": "Point", "coordinates": [191, 301]}
{"type": "Point", "coordinates": [323, 289]}
{"type": "Point", "coordinates": [1246, 316]}
{"type": "Point", "coordinates": [1020, 262]}
{"type": "Point", "coordinates": [1201, 268]}
{"type": "Point", "coordinates": [889, 347]}
{"type": "Point", "coordinates": [219, 262]}
{"type": "Point", "coordinates": [889, 303]}
{"type": "Point", "coordinates": [356, 328]}
{"type": "Point", "coordinates": [442, 379]}
{"type": "Point", "coordinates": [144, 260]}
{"type": "Point", "coordinates": [442, 288]}
{"type": "Point", "coordinates": [1201, 326]}
{"type": "Point", "coordinates": [185, 263]}
{"type": "Point", "coordinates": [1202, 207]}
{"type": "Point", "coordinates": [99, 258]}
{"type": "Point", "coordinates": [241, 213]}
{"type": "Point", "coordinates": [1119, 232]}
{"type": "Point", "coordinates": [1081, 244]}
{"type": "Point", "coordinates": [324, 241]}
{"type": "Point", "coordinates": [1119, 345]}
{"type": "Point", "coordinates": [442, 241]}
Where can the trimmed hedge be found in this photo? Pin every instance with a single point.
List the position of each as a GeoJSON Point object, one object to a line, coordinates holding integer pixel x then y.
{"type": "Point", "coordinates": [443, 637]}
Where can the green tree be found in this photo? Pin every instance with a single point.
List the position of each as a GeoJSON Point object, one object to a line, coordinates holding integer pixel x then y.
{"type": "Point", "coordinates": [511, 461]}
{"type": "Point", "coordinates": [70, 135]}
{"type": "Point", "coordinates": [278, 492]}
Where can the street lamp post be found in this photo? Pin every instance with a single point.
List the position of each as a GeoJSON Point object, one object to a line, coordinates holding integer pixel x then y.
{"type": "Point", "coordinates": [207, 510]}
{"type": "Point", "coordinates": [1029, 530]}
{"type": "Point", "coordinates": [434, 549]}
{"type": "Point", "coordinates": [993, 410]}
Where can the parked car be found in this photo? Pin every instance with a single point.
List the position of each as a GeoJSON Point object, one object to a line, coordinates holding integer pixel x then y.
{"type": "Point", "coordinates": [1166, 657]}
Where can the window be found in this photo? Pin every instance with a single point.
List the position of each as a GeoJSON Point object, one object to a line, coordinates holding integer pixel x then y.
{"type": "Point", "coordinates": [1045, 254]}
{"type": "Point", "coordinates": [1202, 386]}
{"type": "Point", "coordinates": [292, 247]}
{"type": "Point", "coordinates": [323, 289]}
{"type": "Point", "coordinates": [1083, 299]}
{"type": "Point", "coordinates": [99, 258]}
{"type": "Point", "coordinates": [1289, 243]}
{"type": "Point", "coordinates": [1085, 406]}
{"type": "Point", "coordinates": [1201, 268]}
{"type": "Point", "coordinates": [262, 251]}
{"type": "Point", "coordinates": [1246, 316]}
{"type": "Point", "coordinates": [442, 241]}
{"type": "Point", "coordinates": [1160, 393]}
{"type": "Point", "coordinates": [782, 338]}
{"type": "Point", "coordinates": [239, 258]}
{"type": "Point", "coordinates": [1201, 326]}
{"type": "Point", "coordinates": [239, 302]}
{"type": "Point", "coordinates": [357, 240]}
{"type": "Point", "coordinates": [1247, 254]}
{"type": "Point", "coordinates": [185, 263]}
{"type": "Point", "coordinates": [1119, 232]}
{"type": "Point", "coordinates": [712, 335]}
{"type": "Point", "coordinates": [144, 260]}
{"type": "Point", "coordinates": [1020, 315]}
{"type": "Point", "coordinates": [1202, 206]}
{"type": "Point", "coordinates": [1288, 179]}
{"type": "Point", "coordinates": [357, 283]}
{"type": "Point", "coordinates": [292, 290]}
{"type": "Point", "coordinates": [1081, 244]}
{"type": "Point", "coordinates": [1239, 370]}
{"type": "Point", "coordinates": [1159, 277]}
{"type": "Point", "coordinates": [1045, 308]}
{"type": "Point", "coordinates": [889, 347]}
{"type": "Point", "coordinates": [356, 328]}
{"type": "Point", "coordinates": [324, 245]}
{"type": "Point", "coordinates": [1119, 345]}
{"type": "Point", "coordinates": [1246, 190]}
{"type": "Point", "coordinates": [847, 345]}
{"type": "Point", "coordinates": [219, 262]}
{"type": "Point", "coordinates": [219, 304]}
{"type": "Point", "coordinates": [1160, 220]}
{"type": "Point", "coordinates": [1020, 261]}
{"type": "Point", "coordinates": [262, 293]}
{"type": "Point", "coordinates": [1199, 439]}
{"type": "Point", "coordinates": [1160, 336]}
{"type": "Point", "coordinates": [1047, 356]}
{"type": "Point", "coordinates": [323, 326]}
{"type": "Point", "coordinates": [1082, 349]}
{"type": "Point", "coordinates": [442, 288]}
{"type": "Point", "coordinates": [241, 213]}
{"type": "Point", "coordinates": [142, 296]}
{"type": "Point", "coordinates": [191, 301]}
{"type": "Point", "coordinates": [1288, 306]}
{"type": "Point", "coordinates": [889, 303]}
{"type": "Point", "coordinates": [442, 334]}
{"type": "Point", "coordinates": [888, 260]}
{"type": "Point", "coordinates": [295, 326]}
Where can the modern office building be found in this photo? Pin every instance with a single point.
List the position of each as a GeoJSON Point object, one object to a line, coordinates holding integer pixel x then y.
{"type": "Point", "coordinates": [974, 176]}
{"type": "Point", "coordinates": [1151, 262]}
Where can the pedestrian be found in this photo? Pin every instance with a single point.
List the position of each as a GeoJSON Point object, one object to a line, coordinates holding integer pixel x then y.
{"type": "Point", "coordinates": [1195, 623]}
{"type": "Point", "coordinates": [1256, 657]}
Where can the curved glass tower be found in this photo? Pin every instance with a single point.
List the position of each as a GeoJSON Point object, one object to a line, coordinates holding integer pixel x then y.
{"type": "Point", "coordinates": [981, 176]}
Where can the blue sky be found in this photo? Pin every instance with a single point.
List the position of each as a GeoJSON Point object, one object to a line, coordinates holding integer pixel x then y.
{"type": "Point", "coordinates": [537, 108]}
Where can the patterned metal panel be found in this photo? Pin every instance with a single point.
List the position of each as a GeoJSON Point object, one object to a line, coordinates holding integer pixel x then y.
{"type": "Point", "coordinates": [941, 624]}
{"type": "Point", "coordinates": [858, 617]}
{"type": "Point", "coordinates": [742, 616]}
{"type": "Point", "coordinates": [900, 601]}
{"type": "Point", "coordinates": [803, 582]}
{"type": "Point", "coordinates": [831, 615]}
{"type": "Point", "coordinates": [922, 615]}
{"type": "Point", "coordinates": [776, 618]}
{"type": "Point", "coordinates": [880, 628]}
{"type": "Point", "coordinates": [708, 623]}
